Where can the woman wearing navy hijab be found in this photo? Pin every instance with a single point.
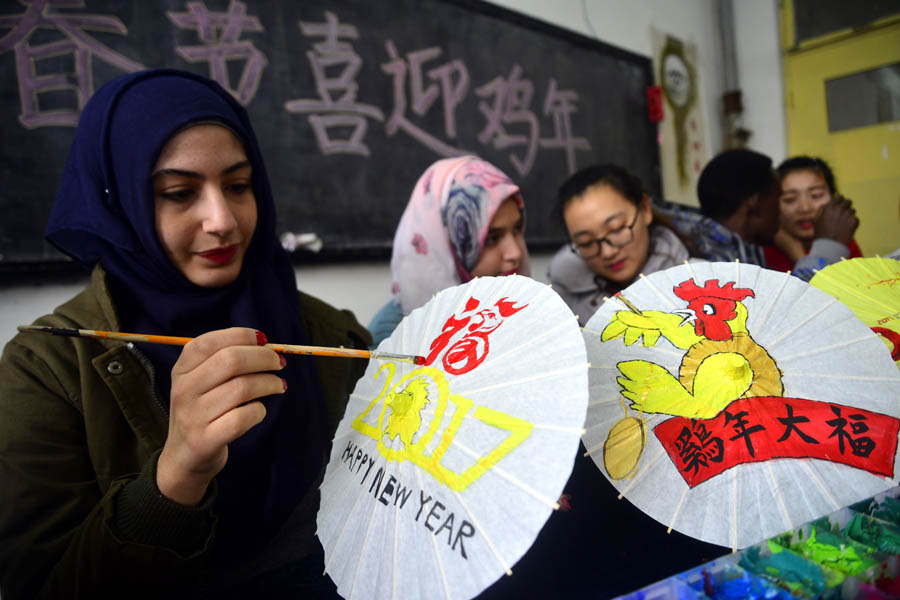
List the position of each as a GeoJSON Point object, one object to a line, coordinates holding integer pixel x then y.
{"type": "Point", "coordinates": [161, 469]}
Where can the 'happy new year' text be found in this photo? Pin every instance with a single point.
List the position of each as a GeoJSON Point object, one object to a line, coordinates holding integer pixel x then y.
{"type": "Point", "coordinates": [388, 490]}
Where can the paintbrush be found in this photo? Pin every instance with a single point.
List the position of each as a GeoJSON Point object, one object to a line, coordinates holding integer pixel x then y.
{"type": "Point", "coordinates": [181, 341]}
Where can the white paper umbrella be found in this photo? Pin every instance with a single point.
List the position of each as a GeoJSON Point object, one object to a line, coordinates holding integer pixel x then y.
{"type": "Point", "coordinates": [732, 403]}
{"type": "Point", "coordinates": [442, 475]}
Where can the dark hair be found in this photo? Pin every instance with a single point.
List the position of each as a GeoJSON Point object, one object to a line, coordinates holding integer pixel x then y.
{"type": "Point", "coordinates": [810, 163]}
{"type": "Point", "coordinates": [616, 177]}
{"type": "Point", "coordinates": [730, 178]}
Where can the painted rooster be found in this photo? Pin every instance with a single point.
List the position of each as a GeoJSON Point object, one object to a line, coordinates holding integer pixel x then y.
{"type": "Point", "coordinates": [722, 362]}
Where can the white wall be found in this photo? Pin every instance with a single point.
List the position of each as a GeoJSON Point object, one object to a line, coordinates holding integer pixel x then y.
{"type": "Point", "coordinates": [627, 24]}
{"type": "Point", "coordinates": [760, 74]}
{"type": "Point", "coordinates": [364, 287]}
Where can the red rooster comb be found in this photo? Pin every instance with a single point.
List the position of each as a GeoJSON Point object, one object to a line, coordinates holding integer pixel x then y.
{"type": "Point", "coordinates": [688, 290]}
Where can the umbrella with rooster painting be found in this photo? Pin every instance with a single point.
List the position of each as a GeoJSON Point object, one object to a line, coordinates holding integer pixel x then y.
{"type": "Point", "coordinates": [870, 287]}
{"type": "Point", "coordinates": [732, 403]}
{"type": "Point", "coordinates": [442, 473]}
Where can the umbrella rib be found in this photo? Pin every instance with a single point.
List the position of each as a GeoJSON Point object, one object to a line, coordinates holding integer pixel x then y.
{"type": "Point", "coordinates": [597, 425]}
{"type": "Point", "coordinates": [343, 529]}
{"type": "Point", "coordinates": [690, 270]}
{"type": "Point", "coordinates": [734, 511]}
{"type": "Point", "coordinates": [864, 264]}
{"type": "Point", "coordinates": [394, 567]}
{"type": "Point", "coordinates": [437, 556]}
{"type": "Point", "coordinates": [545, 426]}
{"type": "Point", "coordinates": [579, 431]}
{"type": "Point", "coordinates": [678, 509]}
{"type": "Point", "coordinates": [614, 297]}
{"type": "Point", "coordinates": [428, 321]}
{"type": "Point", "coordinates": [842, 285]}
{"type": "Point", "coordinates": [510, 478]}
{"type": "Point", "coordinates": [327, 479]}
{"type": "Point", "coordinates": [590, 451]}
{"type": "Point", "coordinates": [549, 374]}
{"type": "Point", "coordinates": [784, 510]}
{"type": "Point", "coordinates": [637, 476]}
{"type": "Point", "coordinates": [593, 331]}
{"type": "Point", "coordinates": [762, 321]}
{"type": "Point", "coordinates": [551, 331]}
{"type": "Point", "coordinates": [494, 298]}
{"type": "Point", "coordinates": [825, 348]}
{"type": "Point", "coordinates": [362, 551]}
{"type": "Point", "coordinates": [850, 377]}
{"type": "Point", "coordinates": [404, 326]}
{"type": "Point", "coordinates": [821, 485]}
{"type": "Point", "coordinates": [503, 287]}
{"type": "Point", "coordinates": [809, 318]}
{"type": "Point", "coordinates": [604, 402]}
{"type": "Point", "coordinates": [487, 538]}
{"type": "Point", "coordinates": [658, 291]}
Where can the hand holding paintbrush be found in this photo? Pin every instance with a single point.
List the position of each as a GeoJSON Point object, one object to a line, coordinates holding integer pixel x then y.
{"type": "Point", "coordinates": [213, 398]}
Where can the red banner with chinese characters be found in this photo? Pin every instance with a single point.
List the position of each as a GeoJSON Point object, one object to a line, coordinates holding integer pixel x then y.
{"type": "Point", "coordinates": [763, 428]}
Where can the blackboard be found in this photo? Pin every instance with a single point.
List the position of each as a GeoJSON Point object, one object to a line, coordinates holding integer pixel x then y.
{"type": "Point", "coordinates": [351, 100]}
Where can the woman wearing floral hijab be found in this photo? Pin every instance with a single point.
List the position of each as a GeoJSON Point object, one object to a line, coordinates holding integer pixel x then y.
{"type": "Point", "coordinates": [149, 470]}
{"type": "Point", "coordinates": [465, 219]}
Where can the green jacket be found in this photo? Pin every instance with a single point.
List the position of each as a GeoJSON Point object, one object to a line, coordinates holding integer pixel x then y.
{"type": "Point", "coordinates": [80, 433]}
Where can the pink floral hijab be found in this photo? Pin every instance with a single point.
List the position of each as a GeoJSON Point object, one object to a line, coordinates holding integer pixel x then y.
{"type": "Point", "coordinates": [442, 231]}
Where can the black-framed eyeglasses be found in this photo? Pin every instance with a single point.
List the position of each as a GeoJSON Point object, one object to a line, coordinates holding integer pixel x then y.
{"type": "Point", "coordinates": [615, 238]}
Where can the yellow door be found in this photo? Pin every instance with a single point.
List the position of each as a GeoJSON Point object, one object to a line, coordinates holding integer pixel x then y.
{"type": "Point", "coordinates": [864, 156]}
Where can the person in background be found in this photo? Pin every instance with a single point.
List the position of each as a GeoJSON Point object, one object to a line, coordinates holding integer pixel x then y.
{"type": "Point", "coordinates": [807, 185]}
{"type": "Point", "coordinates": [465, 219]}
{"type": "Point", "coordinates": [739, 193]}
{"type": "Point", "coordinates": [613, 238]}
{"type": "Point", "coordinates": [158, 471]}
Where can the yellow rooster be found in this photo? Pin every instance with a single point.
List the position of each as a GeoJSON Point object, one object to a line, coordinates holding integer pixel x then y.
{"type": "Point", "coordinates": [406, 406]}
{"type": "Point", "coordinates": [722, 362]}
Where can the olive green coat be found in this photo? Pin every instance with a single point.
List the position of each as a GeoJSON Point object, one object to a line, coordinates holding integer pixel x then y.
{"type": "Point", "coordinates": [80, 432]}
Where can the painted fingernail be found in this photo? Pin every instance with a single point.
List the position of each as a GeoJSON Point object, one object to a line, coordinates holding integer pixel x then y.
{"type": "Point", "coordinates": [284, 383]}
{"type": "Point", "coordinates": [261, 339]}
{"type": "Point", "coordinates": [282, 360]}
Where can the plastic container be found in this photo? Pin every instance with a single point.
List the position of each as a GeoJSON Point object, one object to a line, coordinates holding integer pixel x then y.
{"type": "Point", "coordinates": [724, 580]}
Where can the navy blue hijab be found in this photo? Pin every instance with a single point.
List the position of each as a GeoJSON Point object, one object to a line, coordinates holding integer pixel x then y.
{"type": "Point", "coordinates": [105, 212]}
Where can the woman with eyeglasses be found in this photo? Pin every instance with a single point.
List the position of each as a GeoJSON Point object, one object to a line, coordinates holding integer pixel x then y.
{"type": "Point", "coordinates": [614, 236]}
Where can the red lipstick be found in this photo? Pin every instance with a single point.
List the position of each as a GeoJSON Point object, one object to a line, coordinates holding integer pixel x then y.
{"type": "Point", "coordinates": [617, 266]}
{"type": "Point", "coordinates": [220, 256]}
